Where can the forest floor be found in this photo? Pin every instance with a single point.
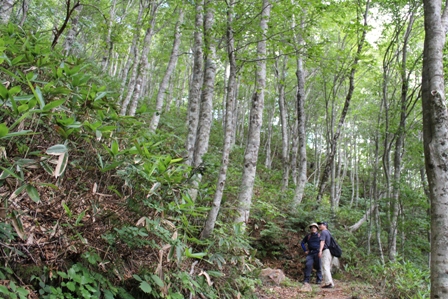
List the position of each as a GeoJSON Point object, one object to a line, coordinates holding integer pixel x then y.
{"type": "Point", "coordinates": [342, 290]}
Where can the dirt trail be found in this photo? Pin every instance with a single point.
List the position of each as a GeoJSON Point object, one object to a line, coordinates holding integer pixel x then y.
{"type": "Point", "coordinates": [342, 290]}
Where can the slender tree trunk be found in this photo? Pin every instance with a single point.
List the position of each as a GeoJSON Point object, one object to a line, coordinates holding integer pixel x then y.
{"type": "Point", "coordinates": [256, 121]}
{"type": "Point", "coordinates": [206, 107]}
{"type": "Point", "coordinates": [132, 82]}
{"type": "Point", "coordinates": [229, 127]}
{"type": "Point", "coordinates": [196, 82]}
{"type": "Point", "coordinates": [281, 76]}
{"type": "Point", "coordinates": [168, 73]}
{"type": "Point", "coordinates": [268, 160]}
{"type": "Point", "coordinates": [6, 11]}
{"type": "Point", "coordinates": [435, 136]}
{"type": "Point", "coordinates": [71, 34]}
{"type": "Point", "coordinates": [131, 58]}
{"type": "Point", "coordinates": [24, 10]}
{"type": "Point", "coordinates": [109, 44]}
{"type": "Point", "coordinates": [301, 130]}
{"type": "Point", "coordinates": [69, 11]}
{"type": "Point", "coordinates": [143, 64]}
{"type": "Point", "coordinates": [399, 146]}
{"type": "Point", "coordinates": [335, 138]}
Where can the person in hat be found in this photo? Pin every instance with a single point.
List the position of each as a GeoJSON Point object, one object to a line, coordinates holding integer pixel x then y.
{"type": "Point", "coordinates": [325, 255]}
{"type": "Point", "coordinates": [310, 245]}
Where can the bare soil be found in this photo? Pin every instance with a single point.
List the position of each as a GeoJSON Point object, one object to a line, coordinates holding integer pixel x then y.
{"type": "Point", "coordinates": [342, 290]}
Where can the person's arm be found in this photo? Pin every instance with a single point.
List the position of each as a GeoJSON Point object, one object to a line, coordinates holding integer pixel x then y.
{"type": "Point", "coordinates": [304, 241]}
{"type": "Point", "coordinates": [322, 244]}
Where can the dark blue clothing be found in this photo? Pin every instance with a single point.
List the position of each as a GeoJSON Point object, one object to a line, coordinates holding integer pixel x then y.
{"type": "Point", "coordinates": [311, 243]}
{"type": "Point", "coordinates": [313, 260]}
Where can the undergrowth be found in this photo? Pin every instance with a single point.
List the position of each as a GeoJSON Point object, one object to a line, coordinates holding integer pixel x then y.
{"type": "Point", "coordinates": [93, 205]}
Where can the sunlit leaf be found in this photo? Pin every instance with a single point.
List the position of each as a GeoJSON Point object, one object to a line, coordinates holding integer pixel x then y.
{"type": "Point", "coordinates": [3, 129]}
{"type": "Point", "coordinates": [57, 149]}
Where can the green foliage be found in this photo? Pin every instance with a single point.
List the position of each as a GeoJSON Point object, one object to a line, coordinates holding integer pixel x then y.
{"type": "Point", "coordinates": [11, 289]}
{"type": "Point", "coordinates": [77, 282]}
{"type": "Point", "coordinates": [271, 242]}
{"type": "Point", "coordinates": [400, 279]}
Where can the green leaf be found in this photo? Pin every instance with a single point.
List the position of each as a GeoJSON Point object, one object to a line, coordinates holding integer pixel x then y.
{"type": "Point", "coordinates": [4, 289]}
{"type": "Point", "coordinates": [138, 278]}
{"type": "Point", "coordinates": [71, 286]}
{"type": "Point", "coordinates": [100, 96]}
{"type": "Point", "coordinates": [39, 97]}
{"type": "Point", "coordinates": [47, 167]}
{"type": "Point", "coordinates": [67, 209]}
{"type": "Point", "coordinates": [20, 133]}
{"type": "Point", "coordinates": [26, 98]}
{"type": "Point", "coordinates": [157, 280]}
{"type": "Point", "coordinates": [145, 287]}
{"type": "Point", "coordinates": [57, 149]}
{"type": "Point", "coordinates": [8, 172]}
{"type": "Point", "coordinates": [111, 166]}
{"type": "Point", "coordinates": [53, 104]}
{"type": "Point", "coordinates": [3, 92]}
{"type": "Point", "coordinates": [17, 59]}
{"type": "Point", "coordinates": [33, 193]}
{"type": "Point", "coordinates": [108, 294]}
{"type": "Point", "coordinates": [107, 128]}
{"type": "Point", "coordinates": [189, 253]}
{"type": "Point", "coordinates": [13, 91]}
{"type": "Point", "coordinates": [113, 148]}
{"type": "Point", "coordinates": [3, 128]}
{"type": "Point", "coordinates": [176, 160]}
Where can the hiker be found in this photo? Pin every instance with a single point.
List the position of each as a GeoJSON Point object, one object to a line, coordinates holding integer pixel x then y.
{"type": "Point", "coordinates": [310, 244]}
{"type": "Point", "coordinates": [325, 255]}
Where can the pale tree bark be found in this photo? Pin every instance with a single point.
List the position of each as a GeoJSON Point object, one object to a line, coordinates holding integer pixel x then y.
{"type": "Point", "coordinates": [351, 88]}
{"type": "Point", "coordinates": [168, 73]}
{"type": "Point", "coordinates": [435, 136]}
{"type": "Point", "coordinates": [280, 70]}
{"type": "Point", "coordinates": [143, 63]}
{"type": "Point", "coordinates": [132, 82]}
{"type": "Point", "coordinates": [194, 93]}
{"type": "Point", "coordinates": [109, 44]}
{"type": "Point", "coordinates": [267, 146]}
{"type": "Point", "coordinates": [341, 174]}
{"type": "Point", "coordinates": [399, 146]}
{"type": "Point", "coordinates": [375, 183]}
{"type": "Point", "coordinates": [228, 125]}
{"type": "Point", "coordinates": [255, 123]}
{"type": "Point", "coordinates": [206, 104]}
{"type": "Point", "coordinates": [361, 221]}
{"type": "Point", "coordinates": [71, 34]}
{"type": "Point", "coordinates": [131, 57]}
{"type": "Point", "coordinates": [301, 130]}
{"type": "Point", "coordinates": [6, 11]}
{"type": "Point", "coordinates": [294, 149]}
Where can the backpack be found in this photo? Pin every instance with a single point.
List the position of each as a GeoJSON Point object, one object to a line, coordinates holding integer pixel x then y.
{"type": "Point", "coordinates": [334, 248]}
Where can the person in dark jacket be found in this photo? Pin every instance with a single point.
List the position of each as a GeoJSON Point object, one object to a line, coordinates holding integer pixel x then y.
{"type": "Point", "coordinates": [310, 244]}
